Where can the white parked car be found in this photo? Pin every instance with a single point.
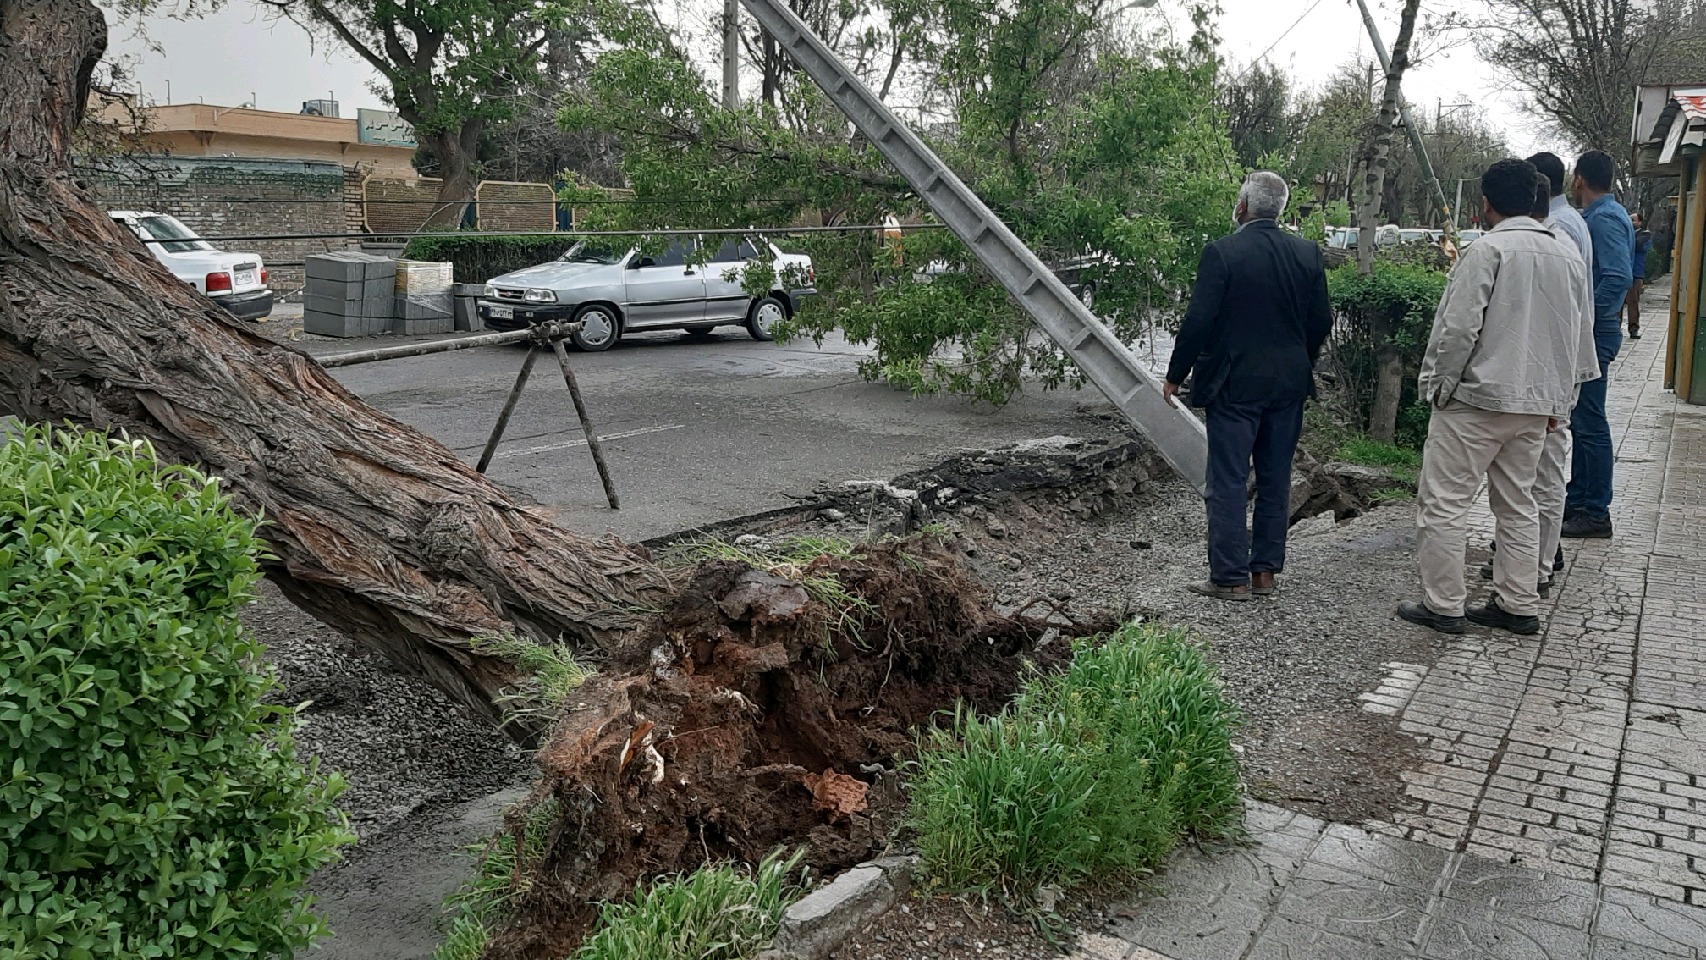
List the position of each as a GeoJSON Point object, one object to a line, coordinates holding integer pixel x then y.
{"type": "Point", "coordinates": [235, 281]}
{"type": "Point", "coordinates": [613, 292]}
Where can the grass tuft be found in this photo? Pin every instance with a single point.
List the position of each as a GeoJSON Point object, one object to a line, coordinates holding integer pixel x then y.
{"type": "Point", "coordinates": [554, 672]}
{"type": "Point", "coordinates": [1374, 453]}
{"type": "Point", "coordinates": [1088, 775]}
{"type": "Point", "coordinates": [718, 912]}
{"type": "Point", "coordinates": [483, 901]}
{"type": "Point", "coordinates": [791, 557]}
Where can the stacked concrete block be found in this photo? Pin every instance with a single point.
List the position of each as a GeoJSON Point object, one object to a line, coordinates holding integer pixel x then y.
{"type": "Point", "coordinates": [424, 301]}
{"type": "Point", "coordinates": [349, 294]}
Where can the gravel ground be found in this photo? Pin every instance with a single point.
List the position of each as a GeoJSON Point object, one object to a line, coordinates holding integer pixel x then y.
{"type": "Point", "coordinates": [400, 744]}
{"type": "Point", "coordinates": [1294, 664]}
{"type": "Point", "coordinates": [948, 929]}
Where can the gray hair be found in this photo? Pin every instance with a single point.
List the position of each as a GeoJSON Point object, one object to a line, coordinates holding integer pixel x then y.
{"type": "Point", "coordinates": [1264, 195]}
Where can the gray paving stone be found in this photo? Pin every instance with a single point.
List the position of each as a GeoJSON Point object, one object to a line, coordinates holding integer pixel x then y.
{"type": "Point", "coordinates": [1605, 948]}
{"type": "Point", "coordinates": [1359, 907]}
{"type": "Point", "coordinates": [1210, 907]}
{"type": "Point", "coordinates": [1645, 921]}
{"type": "Point", "coordinates": [1289, 940]}
{"type": "Point", "coordinates": [1396, 862]}
{"type": "Point", "coordinates": [1511, 889]}
{"type": "Point", "coordinates": [1461, 931]}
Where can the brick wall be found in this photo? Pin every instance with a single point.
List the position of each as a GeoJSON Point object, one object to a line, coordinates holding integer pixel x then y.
{"type": "Point", "coordinates": [502, 205]}
{"type": "Point", "coordinates": [239, 196]}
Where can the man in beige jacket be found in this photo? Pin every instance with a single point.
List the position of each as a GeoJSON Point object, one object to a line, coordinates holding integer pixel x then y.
{"type": "Point", "coordinates": [1499, 372]}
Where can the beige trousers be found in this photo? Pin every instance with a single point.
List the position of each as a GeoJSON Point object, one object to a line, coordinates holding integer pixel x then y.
{"type": "Point", "coordinates": [1466, 444]}
{"type": "Point", "coordinates": [1549, 485]}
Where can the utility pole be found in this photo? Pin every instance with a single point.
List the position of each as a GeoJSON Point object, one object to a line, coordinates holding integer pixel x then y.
{"type": "Point", "coordinates": [1404, 116]}
{"type": "Point", "coordinates": [731, 54]}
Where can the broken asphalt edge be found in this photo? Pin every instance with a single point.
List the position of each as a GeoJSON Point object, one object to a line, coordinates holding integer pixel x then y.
{"type": "Point", "coordinates": [821, 922]}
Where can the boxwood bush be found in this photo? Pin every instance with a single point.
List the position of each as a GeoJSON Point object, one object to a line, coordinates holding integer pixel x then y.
{"type": "Point", "coordinates": [151, 805]}
{"type": "Point", "coordinates": [479, 259]}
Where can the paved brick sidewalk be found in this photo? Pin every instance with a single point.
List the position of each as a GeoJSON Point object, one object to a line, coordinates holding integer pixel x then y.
{"type": "Point", "coordinates": [1562, 796]}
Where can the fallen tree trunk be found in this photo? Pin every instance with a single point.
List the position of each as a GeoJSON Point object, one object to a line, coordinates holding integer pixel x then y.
{"type": "Point", "coordinates": [377, 529]}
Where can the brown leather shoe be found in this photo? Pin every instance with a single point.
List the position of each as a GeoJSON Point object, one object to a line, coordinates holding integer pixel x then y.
{"type": "Point", "coordinates": [1209, 588]}
{"type": "Point", "coordinates": [1262, 584]}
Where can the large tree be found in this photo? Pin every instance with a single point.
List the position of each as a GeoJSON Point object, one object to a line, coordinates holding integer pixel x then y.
{"type": "Point", "coordinates": [451, 68]}
{"type": "Point", "coordinates": [376, 528]}
{"type": "Point", "coordinates": [1376, 161]}
{"type": "Point", "coordinates": [1579, 61]}
{"type": "Point", "coordinates": [1261, 118]}
{"type": "Point", "coordinates": [1093, 144]}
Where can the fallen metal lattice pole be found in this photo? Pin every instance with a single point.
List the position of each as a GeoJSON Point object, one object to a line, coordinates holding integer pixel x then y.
{"type": "Point", "coordinates": [1105, 360]}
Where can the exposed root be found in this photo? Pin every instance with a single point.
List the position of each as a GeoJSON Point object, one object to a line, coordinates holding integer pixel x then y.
{"type": "Point", "coordinates": [754, 716]}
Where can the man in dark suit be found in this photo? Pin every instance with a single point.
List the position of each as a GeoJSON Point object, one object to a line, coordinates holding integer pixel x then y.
{"type": "Point", "coordinates": [1256, 323]}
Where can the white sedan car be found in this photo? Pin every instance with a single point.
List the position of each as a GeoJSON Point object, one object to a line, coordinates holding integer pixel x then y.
{"type": "Point", "coordinates": [235, 281]}
{"type": "Point", "coordinates": [692, 285]}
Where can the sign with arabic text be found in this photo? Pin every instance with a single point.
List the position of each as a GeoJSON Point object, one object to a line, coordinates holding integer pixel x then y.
{"type": "Point", "coordinates": [383, 128]}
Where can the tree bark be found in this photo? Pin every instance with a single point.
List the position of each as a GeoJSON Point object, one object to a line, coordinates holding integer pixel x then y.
{"type": "Point", "coordinates": [377, 529]}
{"type": "Point", "coordinates": [1377, 155]}
{"type": "Point", "coordinates": [1389, 382]}
{"type": "Point", "coordinates": [456, 150]}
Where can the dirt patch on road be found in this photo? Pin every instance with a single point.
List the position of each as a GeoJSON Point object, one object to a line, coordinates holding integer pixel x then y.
{"type": "Point", "coordinates": [762, 712]}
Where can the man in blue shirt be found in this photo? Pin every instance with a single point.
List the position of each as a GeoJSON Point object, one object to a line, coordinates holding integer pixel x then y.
{"type": "Point", "coordinates": [1587, 507]}
{"type": "Point", "coordinates": [1632, 303]}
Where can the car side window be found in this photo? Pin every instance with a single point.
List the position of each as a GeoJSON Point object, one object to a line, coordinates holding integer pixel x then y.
{"type": "Point", "coordinates": [736, 250]}
{"type": "Point", "coordinates": [672, 256]}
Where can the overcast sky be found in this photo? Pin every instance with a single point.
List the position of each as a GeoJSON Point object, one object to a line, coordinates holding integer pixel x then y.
{"type": "Point", "coordinates": [238, 54]}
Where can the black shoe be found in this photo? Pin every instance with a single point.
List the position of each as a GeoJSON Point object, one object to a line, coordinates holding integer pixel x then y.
{"type": "Point", "coordinates": [1493, 615]}
{"type": "Point", "coordinates": [1583, 527]}
{"type": "Point", "coordinates": [1558, 559]}
{"type": "Point", "coordinates": [1546, 589]}
{"type": "Point", "coordinates": [1418, 613]}
{"type": "Point", "coordinates": [1487, 568]}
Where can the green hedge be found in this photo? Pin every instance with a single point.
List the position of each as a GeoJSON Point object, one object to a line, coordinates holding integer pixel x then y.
{"type": "Point", "coordinates": [152, 805]}
{"type": "Point", "coordinates": [479, 259]}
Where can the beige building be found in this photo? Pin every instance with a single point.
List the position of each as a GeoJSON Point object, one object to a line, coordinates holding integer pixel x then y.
{"type": "Point", "coordinates": [377, 141]}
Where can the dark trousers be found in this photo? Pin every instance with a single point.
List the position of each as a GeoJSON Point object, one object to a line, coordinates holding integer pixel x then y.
{"type": "Point", "coordinates": [1592, 457]}
{"type": "Point", "coordinates": [1263, 433]}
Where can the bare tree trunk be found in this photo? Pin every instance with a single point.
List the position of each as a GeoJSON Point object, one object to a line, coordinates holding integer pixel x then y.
{"type": "Point", "coordinates": [456, 150]}
{"type": "Point", "coordinates": [1383, 419]}
{"type": "Point", "coordinates": [377, 529]}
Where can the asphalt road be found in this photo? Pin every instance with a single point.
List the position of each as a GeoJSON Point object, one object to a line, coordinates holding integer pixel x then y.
{"type": "Point", "coordinates": [695, 431]}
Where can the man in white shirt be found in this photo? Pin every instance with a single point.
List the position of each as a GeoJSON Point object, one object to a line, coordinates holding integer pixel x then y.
{"type": "Point", "coordinates": [1499, 372]}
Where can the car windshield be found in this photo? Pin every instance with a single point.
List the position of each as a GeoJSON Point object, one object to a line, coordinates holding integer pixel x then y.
{"type": "Point", "coordinates": [588, 251]}
{"type": "Point", "coordinates": [177, 237]}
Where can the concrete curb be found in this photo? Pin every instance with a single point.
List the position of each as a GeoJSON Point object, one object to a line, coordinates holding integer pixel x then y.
{"type": "Point", "coordinates": [821, 922]}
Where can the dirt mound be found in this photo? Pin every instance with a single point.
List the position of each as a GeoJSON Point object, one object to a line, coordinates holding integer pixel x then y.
{"type": "Point", "coordinates": [761, 711]}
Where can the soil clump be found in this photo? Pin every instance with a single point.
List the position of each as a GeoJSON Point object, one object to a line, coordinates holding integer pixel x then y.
{"type": "Point", "coordinates": [762, 710]}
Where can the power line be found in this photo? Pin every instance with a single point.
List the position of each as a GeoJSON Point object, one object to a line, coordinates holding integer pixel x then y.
{"type": "Point", "coordinates": [1287, 33]}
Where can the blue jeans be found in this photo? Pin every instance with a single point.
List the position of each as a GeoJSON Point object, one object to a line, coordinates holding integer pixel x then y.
{"type": "Point", "coordinates": [1589, 491]}
{"type": "Point", "coordinates": [1264, 433]}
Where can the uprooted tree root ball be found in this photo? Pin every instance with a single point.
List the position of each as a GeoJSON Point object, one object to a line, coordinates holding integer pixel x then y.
{"type": "Point", "coordinates": [759, 711]}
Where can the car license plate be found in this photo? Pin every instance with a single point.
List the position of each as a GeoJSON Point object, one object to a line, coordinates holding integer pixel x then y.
{"type": "Point", "coordinates": [501, 313]}
{"type": "Point", "coordinates": [245, 278]}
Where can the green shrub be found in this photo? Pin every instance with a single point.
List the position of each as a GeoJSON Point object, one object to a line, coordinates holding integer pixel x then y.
{"type": "Point", "coordinates": [153, 806]}
{"type": "Point", "coordinates": [717, 912]}
{"type": "Point", "coordinates": [1391, 308]}
{"type": "Point", "coordinates": [1091, 774]}
{"type": "Point", "coordinates": [479, 259]}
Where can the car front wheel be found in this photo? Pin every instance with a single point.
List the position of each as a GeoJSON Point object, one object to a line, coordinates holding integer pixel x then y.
{"type": "Point", "coordinates": [600, 328]}
{"type": "Point", "coordinates": [762, 319]}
